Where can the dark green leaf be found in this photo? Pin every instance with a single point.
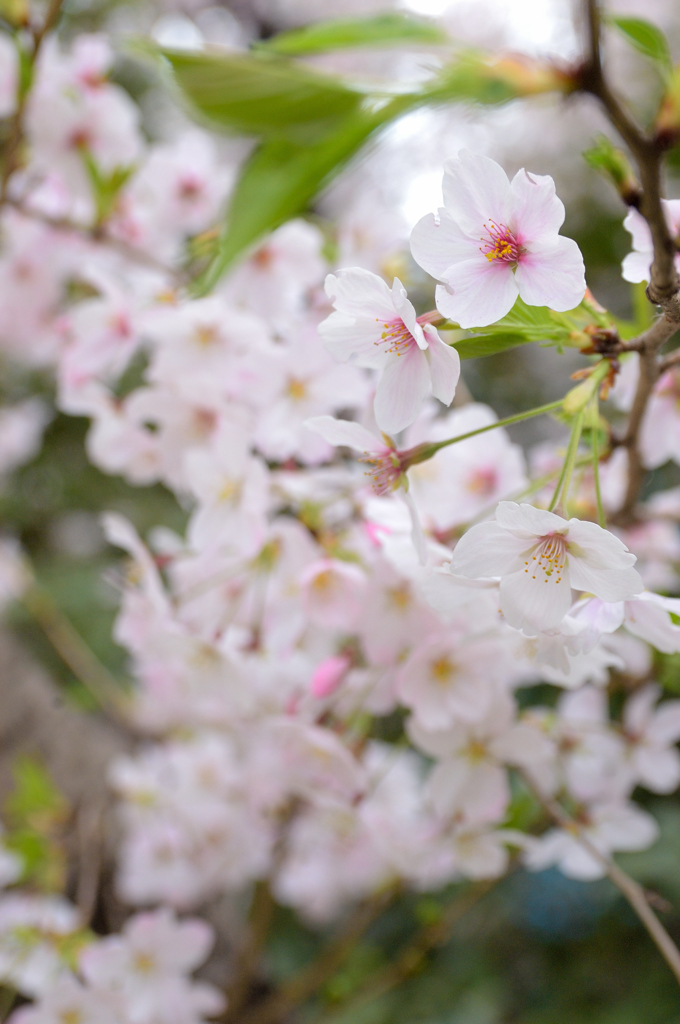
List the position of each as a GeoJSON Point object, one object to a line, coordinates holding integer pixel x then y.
{"type": "Point", "coordinates": [278, 182]}
{"type": "Point", "coordinates": [647, 40]}
{"type": "Point", "coordinates": [382, 30]}
{"type": "Point", "coordinates": [523, 324]}
{"type": "Point", "coordinates": [262, 94]}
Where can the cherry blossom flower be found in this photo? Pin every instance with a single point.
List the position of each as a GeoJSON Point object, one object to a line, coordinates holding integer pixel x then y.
{"type": "Point", "coordinates": [608, 827]}
{"type": "Point", "coordinates": [495, 240]}
{"type": "Point", "coordinates": [539, 557]}
{"type": "Point", "coordinates": [637, 264]}
{"type": "Point", "coordinates": [376, 327]}
{"type": "Point", "coordinates": [652, 732]}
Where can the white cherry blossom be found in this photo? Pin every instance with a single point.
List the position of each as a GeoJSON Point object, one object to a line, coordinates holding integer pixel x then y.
{"type": "Point", "coordinates": [494, 240]}
{"type": "Point", "coordinates": [377, 327]}
{"type": "Point", "coordinates": [539, 558]}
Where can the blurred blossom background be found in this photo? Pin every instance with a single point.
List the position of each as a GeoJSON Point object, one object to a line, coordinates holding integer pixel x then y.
{"type": "Point", "coordinates": [541, 948]}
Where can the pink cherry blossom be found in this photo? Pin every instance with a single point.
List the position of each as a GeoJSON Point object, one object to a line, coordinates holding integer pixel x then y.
{"type": "Point", "coordinates": [637, 264]}
{"type": "Point", "coordinates": [376, 327]}
{"type": "Point", "coordinates": [539, 558]}
{"type": "Point", "coordinates": [494, 240]}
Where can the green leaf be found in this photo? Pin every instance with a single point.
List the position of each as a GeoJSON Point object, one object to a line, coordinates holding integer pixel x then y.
{"type": "Point", "coordinates": [381, 30]}
{"type": "Point", "coordinates": [647, 39]}
{"type": "Point", "coordinates": [522, 325]}
{"type": "Point", "coordinates": [262, 94]}
{"type": "Point", "coordinates": [278, 182]}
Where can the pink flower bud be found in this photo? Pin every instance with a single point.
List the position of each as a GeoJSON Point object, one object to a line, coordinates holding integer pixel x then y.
{"type": "Point", "coordinates": [329, 674]}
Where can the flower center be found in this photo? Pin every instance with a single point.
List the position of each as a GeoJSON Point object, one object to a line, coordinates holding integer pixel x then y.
{"type": "Point", "coordinates": [386, 470]}
{"type": "Point", "coordinates": [500, 245]}
{"type": "Point", "coordinates": [549, 558]}
{"type": "Point", "coordinates": [397, 337]}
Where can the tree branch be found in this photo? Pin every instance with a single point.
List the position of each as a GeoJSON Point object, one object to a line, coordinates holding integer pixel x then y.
{"type": "Point", "coordinates": [663, 287]}
{"type": "Point", "coordinates": [627, 886]}
{"type": "Point", "coordinates": [309, 980]}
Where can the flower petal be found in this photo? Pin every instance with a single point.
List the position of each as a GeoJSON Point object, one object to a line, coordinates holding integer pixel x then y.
{"type": "Point", "coordinates": [476, 190]}
{"type": "Point", "coordinates": [527, 521]}
{"type": "Point", "coordinates": [444, 366]}
{"type": "Point", "coordinates": [535, 603]}
{"type": "Point", "coordinates": [358, 292]}
{"type": "Point", "coordinates": [353, 339]}
{"type": "Point", "coordinates": [401, 390]}
{"type": "Point", "coordinates": [487, 550]}
{"type": "Point", "coordinates": [553, 277]}
{"type": "Point", "coordinates": [477, 292]}
{"type": "Point", "coordinates": [537, 213]}
{"type": "Point", "coordinates": [607, 584]}
{"type": "Point", "coordinates": [436, 246]}
{"type": "Point", "coordinates": [345, 433]}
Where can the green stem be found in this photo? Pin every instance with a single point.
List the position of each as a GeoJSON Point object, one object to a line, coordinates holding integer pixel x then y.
{"type": "Point", "coordinates": [601, 517]}
{"type": "Point", "coordinates": [423, 452]}
{"type": "Point", "coordinates": [562, 489]}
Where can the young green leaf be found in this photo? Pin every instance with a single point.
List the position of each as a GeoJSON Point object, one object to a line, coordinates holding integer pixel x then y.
{"type": "Point", "coordinates": [647, 39]}
{"type": "Point", "coordinates": [523, 324]}
{"type": "Point", "coordinates": [262, 94]}
{"type": "Point", "coordinates": [381, 30]}
{"type": "Point", "coordinates": [277, 183]}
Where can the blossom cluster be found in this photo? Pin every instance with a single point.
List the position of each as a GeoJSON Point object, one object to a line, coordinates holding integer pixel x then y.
{"type": "Point", "coordinates": [315, 596]}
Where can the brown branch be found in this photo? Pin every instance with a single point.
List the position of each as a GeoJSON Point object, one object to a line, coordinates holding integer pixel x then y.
{"type": "Point", "coordinates": [648, 344]}
{"type": "Point", "coordinates": [663, 287]}
{"type": "Point", "coordinates": [309, 980]}
{"type": "Point", "coordinates": [412, 958]}
{"type": "Point", "coordinates": [627, 886]}
{"type": "Point", "coordinates": [248, 961]}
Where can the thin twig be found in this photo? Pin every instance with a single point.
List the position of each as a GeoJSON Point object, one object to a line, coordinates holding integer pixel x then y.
{"type": "Point", "coordinates": [310, 980]}
{"type": "Point", "coordinates": [248, 961]}
{"type": "Point", "coordinates": [75, 653]}
{"type": "Point", "coordinates": [633, 892]}
{"type": "Point", "coordinates": [411, 959]}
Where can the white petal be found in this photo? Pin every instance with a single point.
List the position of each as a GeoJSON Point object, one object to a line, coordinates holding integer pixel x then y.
{"type": "Point", "coordinates": [345, 433]}
{"type": "Point", "coordinates": [444, 366]}
{"type": "Point", "coordinates": [477, 292]}
{"type": "Point", "coordinates": [402, 388]}
{"type": "Point", "coordinates": [608, 584]}
{"type": "Point", "coordinates": [554, 278]}
{"type": "Point", "coordinates": [487, 550]}
{"type": "Point", "coordinates": [658, 768]}
{"type": "Point", "coordinates": [527, 521]}
{"type": "Point", "coordinates": [406, 312]}
{"type": "Point", "coordinates": [436, 246]}
{"type": "Point", "coordinates": [476, 191]}
{"type": "Point", "coordinates": [600, 548]}
{"type": "Point", "coordinates": [535, 603]}
{"type": "Point", "coordinates": [358, 292]}
{"type": "Point", "coordinates": [356, 339]}
{"type": "Point", "coordinates": [636, 266]}
{"type": "Point", "coordinates": [537, 213]}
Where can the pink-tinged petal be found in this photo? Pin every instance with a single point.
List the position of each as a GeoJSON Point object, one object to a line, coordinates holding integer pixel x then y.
{"type": "Point", "coordinates": [477, 293]}
{"type": "Point", "coordinates": [345, 433]}
{"type": "Point", "coordinates": [553, 277]}
{"type": "Point", "coordinates": [444, 366]}
{"type": "Point", "coordinates": [349, 338]}
{"type": "Point", "coordinates": [658, 768]}
{"type": "Point", "coordinates": [636, 224]}
{"type": "Point", "coordinates": [535, 602]}
{"type": "Point", "coordinates": [402, 389]}
{"type": "Point", "coordinates": [600, 548]}
{"type": "Point", "coordinates": [665, 725]}
{"type": "Point", "coordinates": [417, 535]}
{"type": "Point", "coordinates": [636, 266]}
{"type": "Point", "coordinates": [328, 676]}
{"type": "Point", "coordinates": [639, 708]}
{"type": "Point", "coordinates": [607, 584]}
{"type": "Point", "coordinates": [436, 246]}
{"type": "Point", "coordinates": [476, 191]}
{"type": "Point", "coordinates": [527, 521]}
{"type": "Point", "coordinates": [360, 293]}
{"type": "Point", "coordinates": [652, 623]}
{"type": "Point", "coordinates": [404, 309]}
{"type": "Point", "coordinates": [486, 551]}
{"type": "Point", "coordinates": [537, 213]}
